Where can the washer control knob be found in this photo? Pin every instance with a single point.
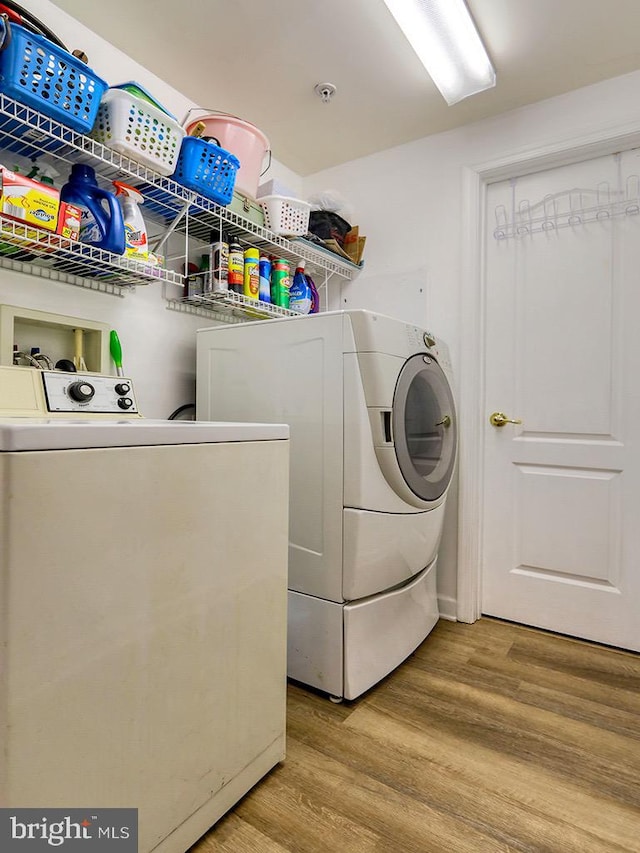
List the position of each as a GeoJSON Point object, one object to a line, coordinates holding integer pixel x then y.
{"type": "Point", "coordinates": [125, 402]}
{"type": "Point", "coordinates": [81, 392]}
{"type": "Point", "coordinates": [122, 388]}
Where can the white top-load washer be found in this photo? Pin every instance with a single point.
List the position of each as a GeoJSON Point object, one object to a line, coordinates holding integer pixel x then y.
{"type": "Point", "coordinates": [142, 605]}
{"type": "Point", "coordinates": [373, 447]}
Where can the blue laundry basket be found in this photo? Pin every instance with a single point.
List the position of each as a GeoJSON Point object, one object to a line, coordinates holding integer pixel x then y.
{"type": "Point", "coordinates": [207, 169]}
{"type": "Point", "coordinates": [38, 73]}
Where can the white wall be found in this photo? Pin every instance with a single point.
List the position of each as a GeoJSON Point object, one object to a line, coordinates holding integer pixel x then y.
{"type": "Point", "coordinates": [158, 344]}
{"type": "Point", "coordinates": [408, 202]}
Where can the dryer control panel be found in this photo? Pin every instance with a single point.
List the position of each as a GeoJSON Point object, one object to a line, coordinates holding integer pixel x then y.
{"type": "Point", "coordinates": [417, 339]}
{"type": "Point", "coordinates": [88, 393]}
{"type": "Point", "coordinates": [420, 339]}
{"type": "Point", "coordinates": [435, 347]}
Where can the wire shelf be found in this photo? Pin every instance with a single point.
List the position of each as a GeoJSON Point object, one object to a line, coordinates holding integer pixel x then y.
{"type": "Point", "coordinates": [28, 133]}
{"type": "Point", "coordinates": [229, 304]}
{"type": "Point", "coordinates": [51, 256]}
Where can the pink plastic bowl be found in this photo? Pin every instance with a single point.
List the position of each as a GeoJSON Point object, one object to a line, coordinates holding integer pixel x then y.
{"type": "Point", "coordinates": [241, 138]}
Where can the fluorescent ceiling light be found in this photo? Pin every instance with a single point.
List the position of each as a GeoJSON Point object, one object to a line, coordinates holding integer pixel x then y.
{"type": "Point", "coordinates": [445, 38]}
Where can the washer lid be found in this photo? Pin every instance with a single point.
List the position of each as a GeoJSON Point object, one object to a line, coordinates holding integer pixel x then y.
{"type": "Point", "coordinates": [69, 434]}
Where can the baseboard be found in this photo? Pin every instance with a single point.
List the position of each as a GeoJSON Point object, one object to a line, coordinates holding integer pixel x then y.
{"type": "Point", "coordinates": [447, 607]}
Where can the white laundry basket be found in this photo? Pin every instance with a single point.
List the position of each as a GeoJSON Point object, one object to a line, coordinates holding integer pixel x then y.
{"type": "Point", "coordinates": [140, 130]}
{"type": "Point", "coordinates": [284, 215]}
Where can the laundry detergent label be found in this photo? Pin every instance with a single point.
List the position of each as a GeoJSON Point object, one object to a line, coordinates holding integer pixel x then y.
{"type": "Point", "coordinates": [89, 229]}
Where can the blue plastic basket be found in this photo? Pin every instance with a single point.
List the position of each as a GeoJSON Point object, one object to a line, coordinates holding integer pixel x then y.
{"type": "Point", "coordinates": [207, 169]}
{"type": "Point", "coordinates": [43, 76]}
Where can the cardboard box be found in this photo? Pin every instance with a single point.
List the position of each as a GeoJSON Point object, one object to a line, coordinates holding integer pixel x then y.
{"type": "Point", "coordinates": [28, 201]}
{"type": "Point", "coordinates": [69, 221]}
{"type": "Point", "coordinates": [354, 245]}
{"type": "Point", "coordinates": [31, 202]}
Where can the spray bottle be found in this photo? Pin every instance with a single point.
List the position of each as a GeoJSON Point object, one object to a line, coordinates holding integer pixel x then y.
{"type": "Point", "coordinates": [48, 173]}
{"type": "Point", "coordinates": [137, 243]}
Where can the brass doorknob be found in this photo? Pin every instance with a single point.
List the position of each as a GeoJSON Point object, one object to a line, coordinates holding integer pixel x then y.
{"type": "Point", "coordinates": [499, 419]}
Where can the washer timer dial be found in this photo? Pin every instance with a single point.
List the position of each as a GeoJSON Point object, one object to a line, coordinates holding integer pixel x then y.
{"type": "Point", "coordinates": [81, 392]}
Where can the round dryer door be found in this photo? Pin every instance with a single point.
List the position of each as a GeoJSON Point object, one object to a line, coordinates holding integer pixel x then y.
{"type": "Point", "coordinates": [424, 427]}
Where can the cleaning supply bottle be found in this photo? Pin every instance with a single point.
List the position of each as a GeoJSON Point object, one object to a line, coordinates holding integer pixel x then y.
{"type": "Point", "coordinates": [103, 229]}
{"type": "Point", "coordinates": [300, 296]}
{"type": "Point", "coordinates": [264, 274]}
{"type": "Point", "coordinates": [235, 266]}
{"type": "Point", "coordinates": [204, 273]}
{"type": "Point", "coordinates": [135, 232]}
{"type": "Point", "coordinates": [48, 173]}
{"type": "Point", "coordinates": [251, 274]}
{"type": "Point", "coordinates": [315, 296]}
{"type": "Point", "coordinates": [219, 262]}
{"type": "Point", "coordinates": [280, 282]}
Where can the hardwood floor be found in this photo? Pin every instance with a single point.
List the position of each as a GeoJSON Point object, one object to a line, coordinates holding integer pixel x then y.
{"type": "Point", "coordinates": [492, 737]}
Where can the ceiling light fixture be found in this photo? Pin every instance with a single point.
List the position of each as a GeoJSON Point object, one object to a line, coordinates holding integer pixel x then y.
{"type": "Point", "coordinates": [444, 36]}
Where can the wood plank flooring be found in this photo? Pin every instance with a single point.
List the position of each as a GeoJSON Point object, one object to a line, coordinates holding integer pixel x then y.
{"type": "Point", "coordinates": [491, 738]}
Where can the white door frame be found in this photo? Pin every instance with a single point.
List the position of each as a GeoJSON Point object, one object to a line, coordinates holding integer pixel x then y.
{"type": "Point", "coordinates": [608, 140]}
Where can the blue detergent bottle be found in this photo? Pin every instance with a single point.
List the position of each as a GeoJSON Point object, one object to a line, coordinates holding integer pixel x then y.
{"type": "Point", "coordinates": [300, 294]}
{"type": "Point", "coordinates": [101, 223]}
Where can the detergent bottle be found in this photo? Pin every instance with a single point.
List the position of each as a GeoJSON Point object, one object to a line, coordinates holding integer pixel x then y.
{"type": "Point", "coordinates": [300, 294]}
{"type": "Point", "coordinates": [100, 227]}
{"type": "Point", "coordinates": [135, 232]}
{"type": "Point", "coordinates": [315, 296]}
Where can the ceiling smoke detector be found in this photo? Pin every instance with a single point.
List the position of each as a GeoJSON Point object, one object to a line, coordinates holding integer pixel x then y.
{"type": "Point", "coordinates": [325, 91]}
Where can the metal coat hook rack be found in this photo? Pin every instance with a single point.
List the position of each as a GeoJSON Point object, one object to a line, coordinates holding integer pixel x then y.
{"type": "Point", "coordinates": [567, 209]}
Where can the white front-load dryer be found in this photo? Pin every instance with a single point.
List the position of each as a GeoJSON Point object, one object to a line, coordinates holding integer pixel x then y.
{"type": "Point", "coordinates": [373, 446]}
{"type": "Point", "coordinates": [400, 449]}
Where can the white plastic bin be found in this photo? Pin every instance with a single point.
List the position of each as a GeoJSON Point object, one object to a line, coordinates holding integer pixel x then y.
{"type": "Point", "coordinates": [285, 216]}
{"type": "Point", "coordinates": [140, 130]}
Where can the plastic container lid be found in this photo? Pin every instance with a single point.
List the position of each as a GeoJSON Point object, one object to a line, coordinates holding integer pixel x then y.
{"type": "Point", "coordinates": [138, 91]}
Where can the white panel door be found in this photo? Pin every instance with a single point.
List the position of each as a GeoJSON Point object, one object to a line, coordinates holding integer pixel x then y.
{"type": "Point", "coordinates": [561, 508]}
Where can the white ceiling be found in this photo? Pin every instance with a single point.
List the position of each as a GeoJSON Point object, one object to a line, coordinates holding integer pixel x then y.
{"type": "Point", "coordinates": [260, 59]}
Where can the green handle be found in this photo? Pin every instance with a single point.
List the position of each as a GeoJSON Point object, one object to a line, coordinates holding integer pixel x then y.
{"type": "Point", "coordinates": [116, 351]}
